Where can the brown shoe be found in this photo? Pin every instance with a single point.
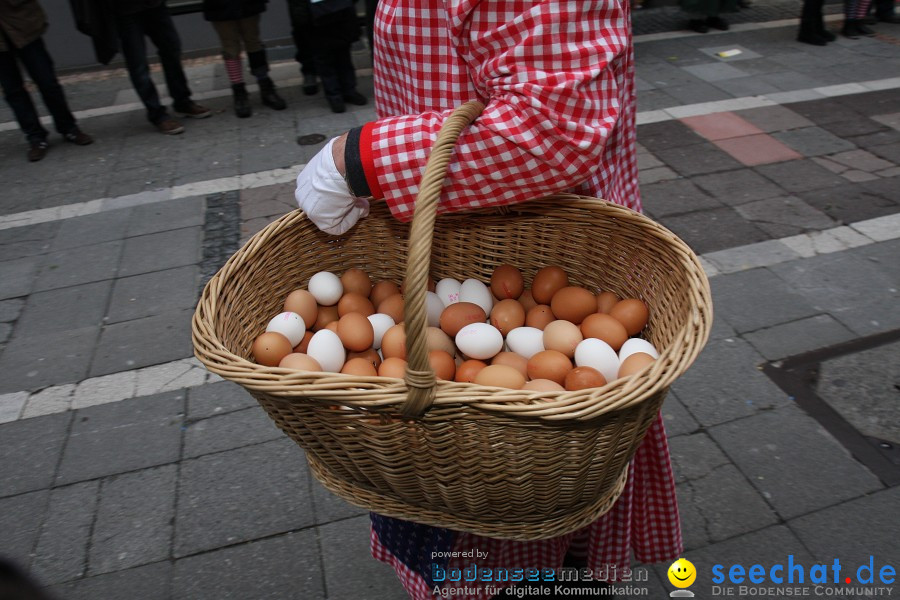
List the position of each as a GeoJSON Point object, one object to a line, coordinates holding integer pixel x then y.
{"type": "Point", "coordinates": [192, 111]}
{"type": "Point", "coordinates": [170, 126]}
{"type": "Point", "coordinates": [38, 150]}
{"type": "Point", "coordinates": [78, 137]}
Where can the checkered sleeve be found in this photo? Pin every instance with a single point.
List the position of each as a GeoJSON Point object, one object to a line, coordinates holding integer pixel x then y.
{"type": "Point", "coordinates": [545, 71]}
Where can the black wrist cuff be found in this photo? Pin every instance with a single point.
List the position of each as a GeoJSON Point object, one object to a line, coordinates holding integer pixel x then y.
{"type": "Point", "coordinates": [356, 175]}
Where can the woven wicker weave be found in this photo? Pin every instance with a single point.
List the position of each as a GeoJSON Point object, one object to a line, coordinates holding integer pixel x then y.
{"type": "Point", "coordinates": [502, 463]}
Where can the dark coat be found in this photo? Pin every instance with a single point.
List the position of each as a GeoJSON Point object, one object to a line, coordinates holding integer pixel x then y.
{"type": "Point", "coordinates": [95, 19]}
{"type": "Point", "coordinates": [232, 10]}
{"type": "Point", "coordinates": [23, 21]}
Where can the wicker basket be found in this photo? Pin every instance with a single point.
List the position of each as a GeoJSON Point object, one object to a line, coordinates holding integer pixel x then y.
{"type": "Point", "coordinates": [501, 463]}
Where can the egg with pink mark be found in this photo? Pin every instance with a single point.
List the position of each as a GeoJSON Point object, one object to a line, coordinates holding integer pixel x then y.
{"type": "Point", "coordinates": [288, 324]}
{"type": "Point", "coordinates": [447, 290]}
{"type": "Point", "coordinates": [479, 341]}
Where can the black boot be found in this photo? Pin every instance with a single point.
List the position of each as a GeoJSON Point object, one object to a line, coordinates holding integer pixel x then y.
{"type": "Point", "coordinates": [269, 96]}
{"type": "Point", "coordinates": [241, 100]}
{"type": "Point", "coordinates": [337, 104]}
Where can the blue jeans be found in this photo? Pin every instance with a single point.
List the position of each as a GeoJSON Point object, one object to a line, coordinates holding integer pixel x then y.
{"type": "Point", "coordinates": [156, 24]}
{"type": "Point", "coordinates": [39, 65]}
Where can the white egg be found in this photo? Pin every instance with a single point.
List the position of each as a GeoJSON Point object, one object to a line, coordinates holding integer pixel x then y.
{"type": "Point", "coordinates": [447, 290]}
{"type": "Point", "coordinates": [380, 323]}
{"type": "Point", "coordinates": [633, 345]}
{"type": "Point", "coordinates": [476, 292]}
{"type": "Point", "coordinates": [326, 288]}
{"type": "Point", "coordinates": [479, 341]}
{"type": "Point", "coordinates": [433, 308]}
{"type": "Point", "coordinates": [599, 355]}
{"type": "Point", "coordinates": [525, 341]}
{"type": "Point", "coordinates": [288, 324]}
{"type": "Point", "coordinates": [325, 346]}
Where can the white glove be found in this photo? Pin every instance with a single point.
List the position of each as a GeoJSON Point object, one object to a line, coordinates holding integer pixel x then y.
{"type": "Point", "coordinates": [325, 197]}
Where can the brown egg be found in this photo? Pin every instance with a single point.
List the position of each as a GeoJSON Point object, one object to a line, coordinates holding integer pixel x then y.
{"type": "Point", "coordinates": [304, 343]}
{"type": "Point", "coordinates": [393, 344]}
{"type": "Point", "coordinates": [382, 290]}
{"type": "Point", "coordinates": [269, 348]}
{"type": "Point", "coordinates": [573, 304]}
{"type": "Point", "coordinates": [436, 339]}
{"type": "Point", "coordinates": [511, 359]}
{"type": "Point", "coordinates": [300, 362]}
{"type": "Point", "coordinates": [392, 306]}
{"type": "Point", "coordinates": [507, 282]}
{"type": "Point", "coordinates": [581, 378]}
{"type": "Point", "coordinates": [527, 301]}
{"type": "Point", "coordinates": [634, 363]}
{"type": "Point", "coordinates": [393, 367]}
{"type": "Point", "coordinates": [543, 385]}
{"type": "Point", "coordinates": [332, 326]}
{"type": "Point", "coordinates": [606, 328]}
{"type": "Point", "coordinates": [458, 315]}
{"type": "Point", "coordinates": [304, 304]}
{"type": "Point", "coordinates": [370, 355]}
{"type": "Point", "coordinates": [442, 364]}
{"type": "Point", "coordinates": [632, 313]}
{"type": "Point", "coordinates": [562, 336]}
{"type": "Point", "coordinates": [547, 282]}
{"type": "Point", "coordinates": [357, 303]}
{"type": "Point", "coordinates": [359, 366]}
{"type": "Point", "coordinates": [356, 332]}
{"type": "Point", "coordinates": [326, 315]}
{"type": "Point", "coordinates": [605, 302]}
{"type": "Point", "coordinates": [356, 281]}
{"type": "Point", "coordinates": [467, 370]}
{"type": "Point", "coordinates": [540, 316]}
{"type": "Point", "coordinates": [506, 315]}
{"type": "Point", "coordinates": [500, 376]}
{"type": "Point", "coordinates": [549, 364]}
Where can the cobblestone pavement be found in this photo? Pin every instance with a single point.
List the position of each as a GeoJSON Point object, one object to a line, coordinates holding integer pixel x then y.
{"type": "Point", "coordinates": [128, 471]}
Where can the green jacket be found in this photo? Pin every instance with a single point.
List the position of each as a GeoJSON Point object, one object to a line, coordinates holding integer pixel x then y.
{"type": "Point", "coordinates": [22, 22]}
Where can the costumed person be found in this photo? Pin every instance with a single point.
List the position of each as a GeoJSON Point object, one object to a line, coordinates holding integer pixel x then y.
{"type": "Point", "coordinates": [301, 32]}
{"type": "Point", "coordinates": [237, 23]}
{"type": "Point", "coordinates": [557, 80]}
{"type": "Point", "coordinates": [854, 19]}
{"type": "Point", "coordinates": [22, 25]}
{"type": "Point", "coordinates": [703, 14]}
{"type": "Point", "coordinates": [812, 26]}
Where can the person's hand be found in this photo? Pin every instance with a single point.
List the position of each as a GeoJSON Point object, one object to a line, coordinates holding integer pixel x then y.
{"type": "Point", "coordinates": [325, 197]}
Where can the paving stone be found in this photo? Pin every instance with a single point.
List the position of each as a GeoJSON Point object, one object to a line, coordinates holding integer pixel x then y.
{"type": "Point", "coordinates": [872, 103]}
{"type": "Point", "coordinates": [813, 141]}
{"type": "Point", "coordinates": [797, 337]}
{"type": "Point", "coordinates": [718, 493]}
{"type": "Point", "coordinates": [757, 298]}
{"type": "Point", "coordinates": [790, 80]}
{"type": "Point", "coordinates": [65, 308]}
{"type": "Point", "coordinates": [856, 292]}
{"type": "Point", "coordinates": [889, 152]}
{"type": "Point", "coordinates": [184, 373]}
{"type": "Point", "coordinates": [91, 229]}
{"type": "Point", "coordinates": [328, 507]}
{"type": "Point", "coordinates": [41, 360]}
{"type": "Point", "coordinates": [654, 100]}
{"type": "Point", "coordinates": [279, 568]}
{"type": "Point", "coordinates": [675, 197]}
{"type": "Point", "coordinates": [854, 530]}
{"type": "Point", "coordinates": [241, 495]}
{"type": "Point", "coordinates": [714, 229]}
{"type": "Point", "coordinates": [781, 217]}
{"type": "Point", "coordinates": [105, 389]}
{"type": "Point", "coordinates": [693, 524]}
{"type": "Point", "coordinates": [853, 125]}
{"type": "Point", "coordinates": [873, 140]}
{"type": "Point", "coordinates": [142, 342]}
{"type": "Point", "coordinates": [54, 399]}
{"type": "Point", "coordinates": [712, 399]}
{"type": "Point", "coordinates": [217, 399]}
{"type": "Point", "coordinates": [714, 71]}
{"type": "Point", "coordinates": [147, 582]}
{"type": "Point", "coordinates": [134, 520]}
{"type": "Point", "coordinates": [20, 520]}
{"type": "Point", "coordinates": [829, 164]}
{"type": "Point", "coordinates": [737, 187]}
{"type": "Point", "coordinates": [696, 92]}
{"type": "Point", "coordinates": [696, 159]}
{"type": "Point", "coordinates": [742, 258]}
{"type": "Point", "coordinates": [695, 457]}
{"type": "Point", "coordinates": [652, 176]}
{"type": "Point", "coordinates": [849, 203]}
{"type": "Point", "coordinates": [858, 176]}
{"type": "Point", "coordinates": [75, 266]}
{"type": "Point", "coordinates": [154, 293]}
{"type": "Point", "coordinates": [883, 255]}
{"type": "Point", "coordinates": [797, 176]}
{"type": "Point", "coordinates": [160, 251]}
{"type": "Point", "coordinates": [743, 87]}
{"type": "Point", "coordinates": [645, 160]}
{"type": "Point", "coordinates": [231, 430]}
{"type": "Point", "coordinates": [350, 572]}
{"type": "Point", "coordinates": [31, 449]}
{"type": "Point", "coordinates": [768, 446]}
{"type": "Point", "coordinates": [775, 118]}
{"type": "Point", "coordinates": [827, 110]}
{"type": "Point", "coordinates": [11, 309]}
{"type": "Point", "coordinates": [12, 405]}
{"type": "Point", "coordinates": [759, 149]}
{"type": "Point", "coordinates": [17, 276]}
{"type": "Point", "coordinates": [123, 436]}
{"type": "Point", "coordinates": [677, 420]}
{"type": "Point", "coordinates": [61, 552]}
{"type": "Point", "coordinates": [161, 216]}
{"type": "Point", "coordinates": [666, 135]}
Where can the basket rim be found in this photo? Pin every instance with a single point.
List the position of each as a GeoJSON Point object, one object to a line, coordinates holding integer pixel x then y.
{"type": "Point", "coordinates": [383, 393]}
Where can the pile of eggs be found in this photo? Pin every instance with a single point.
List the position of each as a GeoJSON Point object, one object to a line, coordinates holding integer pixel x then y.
{"type": "Point", "coordinates": [550, 337]}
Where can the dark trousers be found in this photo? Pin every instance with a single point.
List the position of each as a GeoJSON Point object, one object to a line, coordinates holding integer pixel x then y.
{"type": "Point", "coordinates": [884, 9]}
{"type": "Point", "coordinates": [811, 24]}
{"type": "Point", "coordinates": [302, 32]}
{"type": "Point", "coordinates": [336, 71]}
{"type": "Point", "coordinates": [37, 62]}
{"type": "Point", "coordinates": [156, 24]}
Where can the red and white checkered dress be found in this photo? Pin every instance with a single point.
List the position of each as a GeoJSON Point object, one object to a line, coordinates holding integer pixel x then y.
{"type": "Point", "coordinates": [556, 77]}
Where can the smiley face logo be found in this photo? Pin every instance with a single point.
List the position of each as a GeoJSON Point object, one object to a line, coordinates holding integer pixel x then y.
{"type": "Point", "coordinates": [682, 573]}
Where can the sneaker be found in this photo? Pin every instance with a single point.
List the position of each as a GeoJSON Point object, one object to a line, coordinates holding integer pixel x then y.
{"type": "Point", "coordinates": [78, 137]}
{"type": "Point", "coordinates": [170, 126]}
{"type": "Point", "coordinates": [697, 25]}
{"type": "Point", "coordinates": [38, 150]}
{"type": "Point", "coordinates": [192, 111]}
{"type": "Point", "coordinates": [355, 98]}
{"type": "Point", "coordinates": [717, 23]}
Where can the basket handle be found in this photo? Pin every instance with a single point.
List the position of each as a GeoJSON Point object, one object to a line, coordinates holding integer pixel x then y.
{"type": "Point", "coordinates": [420, 379]}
